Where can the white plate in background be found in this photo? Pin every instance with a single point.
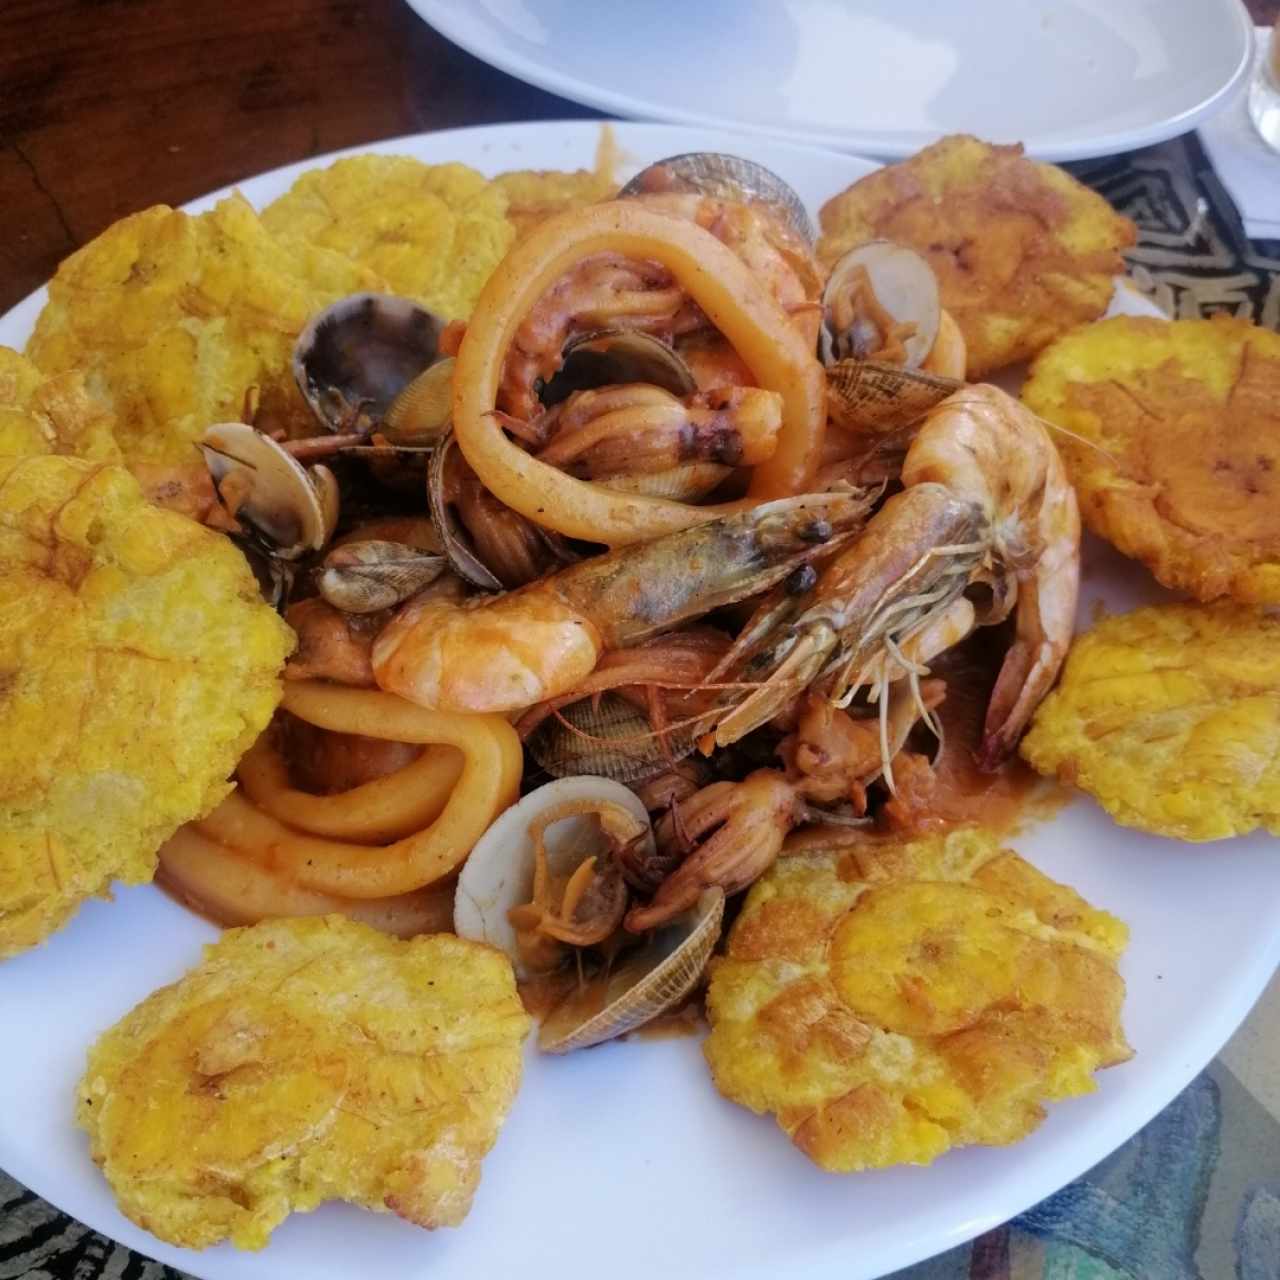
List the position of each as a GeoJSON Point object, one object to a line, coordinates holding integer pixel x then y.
{"type": "Point", "coordinates": [623, 1162]}
{"type": "Point", "coordinates": [1070, 78]}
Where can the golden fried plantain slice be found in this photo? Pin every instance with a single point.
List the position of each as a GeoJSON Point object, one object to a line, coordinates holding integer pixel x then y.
{"type": "Point", "coordinates": [1170, 717]}
{"type": "Point", "coordinates": [432, 232]}
{"type": "Point", "coordinates": [536, 194]}
{"type": "Point", "coordinates": [301, 1061]}
{"type": "Point", "coordinates": [137, 664]}
{"type": "Point", "coordinates": [903, 996]}
{"type": "Point", "coordinates": [172, 318]}
{"type": "Point", "coordinates": [49, 415]}
{"type": "Point", "coordinates": [1022, 251]}
{"type": "Point", "coordinates": [1186, 417]}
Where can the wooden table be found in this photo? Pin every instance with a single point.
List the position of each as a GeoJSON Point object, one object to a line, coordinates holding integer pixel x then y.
{"type": "Point", "coordinates": [107, 106]}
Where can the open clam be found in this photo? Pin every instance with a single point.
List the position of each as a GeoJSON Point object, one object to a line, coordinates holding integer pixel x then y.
{"type": "Point", "coordinates": [881, 314]}
{"type": "Point", "coordinates": [643, 984]}
{"type": "Point", "coordinates": [374, 360]}
{"type": "Point", "coordinates": [534, 855]}
{"type": "Point", "coordinates": [724, 177]}
{"type": "Point", "coordinates": [881, 302]}
{"type": "Point", "coordinates": [294, 509]}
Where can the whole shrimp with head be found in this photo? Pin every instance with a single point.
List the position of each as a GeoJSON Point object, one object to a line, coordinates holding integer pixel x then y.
{"type": "Point", "coordinates": [504, 653]}
{"type": "Point", "coordinates": [986, 526]}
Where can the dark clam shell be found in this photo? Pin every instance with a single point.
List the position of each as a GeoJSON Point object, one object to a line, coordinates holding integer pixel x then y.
{"type": "Point", "coordinates": [611, 356]}
{"type": "Point", "coordinates": [357, 355]}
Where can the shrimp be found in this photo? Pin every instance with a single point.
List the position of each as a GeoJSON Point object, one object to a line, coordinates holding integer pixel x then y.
{"type": "Point", "coordinates": [986, 503]}
{"type": "Point", "coordinates": [337, 646]}
{"type": "Point", "coordinates": [508, 652]}
{"type": "Point", "coordinates": [986, 444]}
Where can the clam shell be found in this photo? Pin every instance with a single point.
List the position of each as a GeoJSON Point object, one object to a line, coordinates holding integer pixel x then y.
{"type": "Point", "coordinates": [866, 396]}
{"type": "Point", "coordinates": [420, 414]}
{"type": "Point", "coordinates": [724, 177]}
{"type": "Point", "coordinates": [608, 737]}
{"type": "Point", "coordinates": [646, 984]}
{"type": "Point", "coordinates": [363, 577]}
{"type": "Point", "coordinates": [355, 357]}
{"type": "Point", "coordinates": [462, 560]}
{"type": "Point", "coordinates": [611, 356]}
{"type": "Point", "coordinates": [498, 875]}
{"type": "Point", "coordinates": [295, 510]}
{"type": "Point", "coordinates": [905, 287]}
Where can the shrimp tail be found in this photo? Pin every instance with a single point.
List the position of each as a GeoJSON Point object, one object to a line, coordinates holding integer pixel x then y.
{"type": "Point", "coordinates": [1032, 662]}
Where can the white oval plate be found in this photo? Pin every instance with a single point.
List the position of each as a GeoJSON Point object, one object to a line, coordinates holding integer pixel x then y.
{"type": "Point", "coordinates": [623, 1161]}
{"type": "Point", "coordinates": [1070, 78]}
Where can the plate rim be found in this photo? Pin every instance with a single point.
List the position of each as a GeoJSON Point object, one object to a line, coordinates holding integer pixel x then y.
{"type": "Point", "coordinates": [1046, 1174]}
{"type": "Point", "coordinates": [460, 25]}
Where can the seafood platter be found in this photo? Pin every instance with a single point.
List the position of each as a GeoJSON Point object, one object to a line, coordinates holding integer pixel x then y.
{"type": "Point", "coordinates": [726, 675]}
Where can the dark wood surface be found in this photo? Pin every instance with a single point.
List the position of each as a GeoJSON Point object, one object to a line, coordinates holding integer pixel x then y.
{"type": "Point", "coordinates": [107, 106]}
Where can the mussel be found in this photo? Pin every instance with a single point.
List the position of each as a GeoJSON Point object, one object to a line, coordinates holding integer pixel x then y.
{"type": "Point", "coordinates": [293, 509]}
{"type": "Point", "coordinates": [724, 177]}
{"type": "Point", "coordinates": [373, 360]}
{"type": "Point", "coordinates": [563, 826]}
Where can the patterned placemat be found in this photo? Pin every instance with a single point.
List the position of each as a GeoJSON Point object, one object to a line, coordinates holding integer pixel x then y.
{"type": "Point", "coordinates": [1196, 1194]}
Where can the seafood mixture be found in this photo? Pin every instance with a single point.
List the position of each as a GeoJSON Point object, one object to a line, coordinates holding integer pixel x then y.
{"type": "Point", "coordinates": [449, 583]}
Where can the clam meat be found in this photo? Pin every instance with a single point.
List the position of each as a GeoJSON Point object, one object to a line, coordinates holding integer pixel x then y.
{"type": "Point", "coordinates": [880, 303]}
{"type": "Point", "coordinates": [544, 877]}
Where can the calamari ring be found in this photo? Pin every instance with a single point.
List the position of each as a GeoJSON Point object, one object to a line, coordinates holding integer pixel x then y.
{"type": "Point", "coordinates": [386, 808]}
{"type": "Point", "coordinates": [719, 282]}
{"type": "Point", "coordinates": [490, 781]}
{"type": "Point", "coordinates": [233, 889]}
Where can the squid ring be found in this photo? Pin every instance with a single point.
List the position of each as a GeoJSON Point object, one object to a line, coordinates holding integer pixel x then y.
{"type": "Point", "coordinates": [719, 282]}
{"type": "Point", "coordinates": [233, 889]}
{"type": "Point", "coordinates": [384, 809]}
{"type": "Point", "coordinates": [490, 781]}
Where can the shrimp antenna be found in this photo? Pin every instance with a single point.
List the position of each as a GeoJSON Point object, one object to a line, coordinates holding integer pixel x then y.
{"type": "Point", "coordinates": [1058, 429]}
{"type": "Point", "coordinates": [886, 764]}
